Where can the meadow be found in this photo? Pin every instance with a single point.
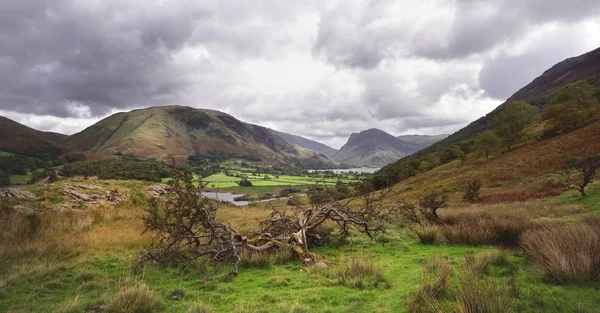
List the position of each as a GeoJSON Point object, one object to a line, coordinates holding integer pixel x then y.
{"type": "Point", "coordinates": [74, 261]}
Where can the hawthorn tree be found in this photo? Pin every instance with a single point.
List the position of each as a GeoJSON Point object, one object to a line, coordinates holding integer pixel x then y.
{"type": "Point", "coordinates": [487, 143]}
{"type": "Point", "coordinates": [185, 227]}
{"type": "Point", "coordinates": [510, 122]}
{"type": "Point", "coordinates": [580, 172]}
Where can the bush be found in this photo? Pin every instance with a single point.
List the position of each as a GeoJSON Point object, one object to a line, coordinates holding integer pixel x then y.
{"type": "Point", "coordinates": [135, 299]}
{"type": "Point", "coordinates": [565, 253]}
{"type": "Point", "coordinates": [472, 191]}
{"type": "Point", "coordinates": [296, 200]}
{"type": "Point", "coordinates": [427, 234]}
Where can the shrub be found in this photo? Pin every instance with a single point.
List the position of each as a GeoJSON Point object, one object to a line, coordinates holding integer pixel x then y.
{"type": "Point", "coordinates": [565, 253]}
{"type": "Point", "coordinates": [472, 191]}
{"type": "Point", "coordinates": [296, 200]}
{"type": "Point", "coordinates": [427, 234]}
{"type": "Point", "coordinates": [135, 299]}
{"type": "Point", "coordinates": [482, 296]}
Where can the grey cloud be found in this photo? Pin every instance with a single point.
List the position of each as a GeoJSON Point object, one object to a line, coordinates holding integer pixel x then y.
{"type": "Point", "coordinates": [504, 75]}
{"type": "Point", "coordinates": [353, 37]}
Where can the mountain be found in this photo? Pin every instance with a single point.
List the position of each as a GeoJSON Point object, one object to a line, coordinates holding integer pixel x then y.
{"type": "Point", "coordinates": [538, 93]}
{"type": "Point", "coordinates": [306, 143]}
{"type": "Point", "coordinates": [178, 131]}
{"type": "Point", "coordinates": [15, 137]}
{"type": "Point", "coordinates": [423, 141]}
{"type": "Point", "coordinates": [373, 147]}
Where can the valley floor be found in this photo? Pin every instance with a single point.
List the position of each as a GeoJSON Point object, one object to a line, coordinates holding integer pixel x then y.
{"type": "Point", "coordinates": [81, 259]}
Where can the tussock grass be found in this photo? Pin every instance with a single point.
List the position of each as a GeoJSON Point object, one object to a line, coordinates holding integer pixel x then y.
{"type": "Point", "coordinates": [427, 234]}
{"type": "Point", "coordinates": [276, 255]}
{"type": "Point", "coordinates": [565, 252]}
{"type": "Point", "coordinates": [484, 229]}
{"type": "Point", "coordinates": [433, 287]}
{"type": "Point", "coordinates": [135, 299]}
{"type": "Point", "coordinates": [360, 271]}
{"type": "Point", "coordinates": [479, 264]}
{"type": "Point", "coordinates": [475, 295]}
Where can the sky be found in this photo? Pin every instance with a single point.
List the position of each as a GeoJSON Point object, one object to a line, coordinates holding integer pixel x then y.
{"type": "Point", "coordinates": [319, 69]}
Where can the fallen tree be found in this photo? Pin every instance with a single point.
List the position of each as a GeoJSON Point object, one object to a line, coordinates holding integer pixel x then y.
{"type": "Point", "coordinates": [185, 228]}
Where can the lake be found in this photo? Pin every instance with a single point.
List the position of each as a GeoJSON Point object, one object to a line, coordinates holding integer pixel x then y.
{"type": "Point", "coordinates": [367, 170]}
{"type": "Point", "coordinates": [225, 196]}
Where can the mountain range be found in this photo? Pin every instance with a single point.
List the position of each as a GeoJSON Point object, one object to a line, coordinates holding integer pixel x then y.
{"type": "Point", "coordinates": [374, 147]}
{"type": "Point", "coordinates": [179, 131]}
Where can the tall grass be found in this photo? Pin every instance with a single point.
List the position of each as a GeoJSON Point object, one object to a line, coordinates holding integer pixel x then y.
{"type": "Point", "coordinates": [360, 271]}
{"type": "Point", "coordinates": [135, 299]}
{"type": "Point", "coordinates": [484, 229]}
{"type": "Point", "coordinates": [475, 295]}
{"type": "Point", "coordinates": [427, 234]}
{"type": "Point", "coordinates": [276, 255]}
{"type": "Point", "coordinates": [433, 287]}
{"type": "Point", "coordinates": [565, 252]}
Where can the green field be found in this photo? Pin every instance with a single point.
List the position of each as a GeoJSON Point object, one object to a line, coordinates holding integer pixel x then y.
{"type": "Point", "coordinates": [222, 181]}
{"type": "Point", "coordinates": [20, 179]}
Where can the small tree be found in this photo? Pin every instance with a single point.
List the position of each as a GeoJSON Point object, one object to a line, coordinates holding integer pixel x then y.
{"type": "Point", "coordinates": [431, 202]}
{"type": "Point", "coordinates": [472, 190]}
{"type": "Point", "coordinates": [487, 143]}
{"type": "Point", "coordinates": [426, 212]}
{"type": "Point", "coordinates": [510, 122]}
{"type": "Point", "coordinates": [585, 169]}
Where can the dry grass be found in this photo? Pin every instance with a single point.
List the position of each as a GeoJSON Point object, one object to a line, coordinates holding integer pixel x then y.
{"type": "Point", "coordinates": [360, 271]}
{"type": "Point", "coordinates": [268, 257]}
{"type": "Point", "coordinates": [479, 264]}
{"type": "Point", "coordinates": [475, 295]}
{"type": "Point", "coordinates": [484, 229]}
{"type": "Point", "coordinates": [427, 234]}
{"type": "Point", "coordinates": [433, 287]}
{"type": "Point", "coordinates": [135, 299]}
{"type": "Point", "coordinates": [565, 252]}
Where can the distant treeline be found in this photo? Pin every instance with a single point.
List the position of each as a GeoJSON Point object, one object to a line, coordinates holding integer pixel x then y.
{"type": "Point", "coordinates": [148, 170]}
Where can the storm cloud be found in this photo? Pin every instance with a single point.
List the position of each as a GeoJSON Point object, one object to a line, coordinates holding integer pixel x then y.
{"type": "Point", "coordinates": [320, 69]}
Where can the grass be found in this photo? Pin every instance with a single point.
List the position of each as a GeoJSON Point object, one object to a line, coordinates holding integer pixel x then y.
{"type": "Point", "coordinates": [20, 179]}
{"type": "Point", "coordinates": [427, 234]}
{"type": "Point", "coordinates": [591, 201]}
{"type": "Point", "coordinates": [95, 252]}
{"type": "Point", "coordinates": [135, 299]}
{"type": "Point", "coordinates": [566, 252]}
